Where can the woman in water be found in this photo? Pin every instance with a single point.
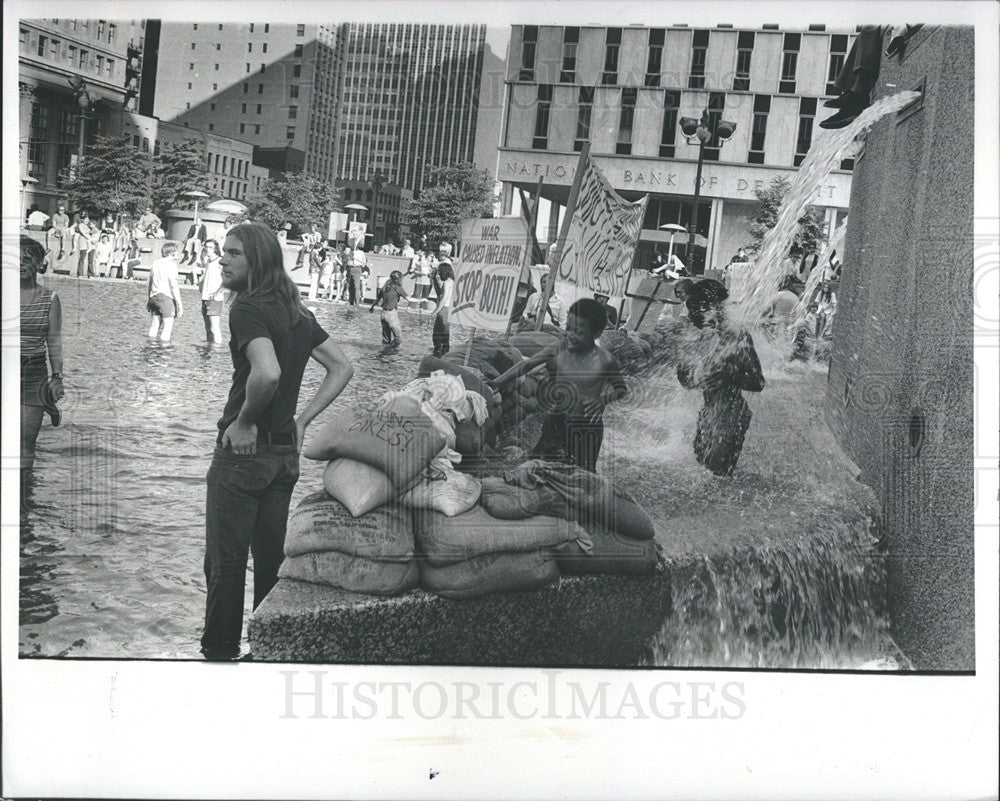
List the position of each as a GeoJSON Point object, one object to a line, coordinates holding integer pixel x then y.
{"type": "Point", "coordinates": [212, 293]}
{"type": "Point", "coordinates": [722, 363]}
{"type": "Point", "coordinates": [41, 339]}
{"type": "Point", "coordinates": [441, 335]}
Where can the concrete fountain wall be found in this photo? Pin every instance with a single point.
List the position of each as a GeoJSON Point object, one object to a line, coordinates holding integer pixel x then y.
{"type": "Point", "coordinates": [900, 393]}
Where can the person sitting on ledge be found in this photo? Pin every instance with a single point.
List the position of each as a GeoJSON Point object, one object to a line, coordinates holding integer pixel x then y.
{"type": "Point", "coordinates": [584, 379]}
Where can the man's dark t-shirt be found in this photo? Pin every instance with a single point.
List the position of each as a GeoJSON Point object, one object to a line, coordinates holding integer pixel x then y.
{"type": "Point", "coordinates": [390, 294]}
{"type": "Point", "coordinates": [254, 317]}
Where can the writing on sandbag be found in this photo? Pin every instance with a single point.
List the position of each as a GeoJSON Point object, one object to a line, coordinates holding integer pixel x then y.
{"type": "Point", "coordinates": [386, 425]}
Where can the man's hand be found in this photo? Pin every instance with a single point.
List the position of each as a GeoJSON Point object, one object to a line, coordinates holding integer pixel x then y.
{"type": "Point", "coordinates": [300, 434]}
{"type": "Point", "coordinates": [241, 438]}
{"type": "Point", "coordinates": [57, 389]}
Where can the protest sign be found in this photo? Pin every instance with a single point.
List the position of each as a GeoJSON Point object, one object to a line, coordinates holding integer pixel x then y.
{"type": "Point", "coordinates": [493, 253]}
{"type": "Point", "coordinates": [337, 225]}
{"type": "Point", "coordinates": [603, 233]}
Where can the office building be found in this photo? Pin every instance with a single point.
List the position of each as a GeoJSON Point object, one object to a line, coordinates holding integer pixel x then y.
{"type": "Point", "coordinates": [102, 58]}
{"type": "Point", "coordinates": [623, 90]}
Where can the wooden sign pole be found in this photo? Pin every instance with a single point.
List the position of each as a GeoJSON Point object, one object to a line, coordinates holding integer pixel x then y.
{"type": "Point", "coordinates": [531, 241]}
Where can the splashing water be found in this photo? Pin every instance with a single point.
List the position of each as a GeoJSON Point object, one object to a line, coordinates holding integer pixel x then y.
{"type": "Point", "coordinates": [824, 155]}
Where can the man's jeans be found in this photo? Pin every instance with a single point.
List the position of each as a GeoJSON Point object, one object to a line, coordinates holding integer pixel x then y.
{"type": "Point", "coordinates": [392, 331]}
{"type": "Point", "coordinates": [247, 510]}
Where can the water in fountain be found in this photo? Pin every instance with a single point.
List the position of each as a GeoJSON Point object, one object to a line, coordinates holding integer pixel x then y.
{"type": "Point", "coordinates": [775, 566]}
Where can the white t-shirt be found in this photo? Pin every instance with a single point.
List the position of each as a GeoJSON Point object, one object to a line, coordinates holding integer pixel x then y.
{"type": "Point", "coordinates": [556, 305]}
{"type": "Point", "coordinates": [447, 289]}
{"type": "Point", "coordinates": [211, 282]}
{"type": "Point", "coordinates": [163, 278]}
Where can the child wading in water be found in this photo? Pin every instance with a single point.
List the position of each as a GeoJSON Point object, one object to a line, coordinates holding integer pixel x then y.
{"type": "Point", "coordinates": [389, 294]}
{"type": "Point", "coordinates": [723, 364]}
{"type": "Point", "coordinates": [586, 378]}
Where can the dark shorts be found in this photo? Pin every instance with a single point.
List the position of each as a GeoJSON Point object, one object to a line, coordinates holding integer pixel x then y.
{"type": "Point", "coordinates": [162, 305]}
{"type": "Point", "coordinates": [211, 308]}
{"type": "Point", "coordinates": [34, 374]}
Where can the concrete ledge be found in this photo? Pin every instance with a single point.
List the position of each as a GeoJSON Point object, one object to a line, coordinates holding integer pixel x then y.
{"type": "Point", "coordinates": [596, 621]}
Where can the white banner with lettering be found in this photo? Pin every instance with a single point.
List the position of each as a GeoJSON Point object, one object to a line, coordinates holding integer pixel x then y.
{"type": "Point", "coordinates": [602, 237]}
{"type": "Point", "coordinates": [493, 252]}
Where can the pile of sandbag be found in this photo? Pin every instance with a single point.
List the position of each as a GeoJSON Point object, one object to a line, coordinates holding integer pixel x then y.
{"type": "Point", "coordinates": [491, 356]}
{"type": "Point", "coordinates": [620, 533]}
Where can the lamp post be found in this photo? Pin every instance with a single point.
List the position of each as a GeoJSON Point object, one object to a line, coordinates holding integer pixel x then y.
{"type": "Point", "coordinates": [376, 183]}
{"type": "Point", "coordinates": [198, 196]}
{"type": "Point", "coordinates": [673, 230]}
{"type": "Point", "coordinates": [705, 132]}
{"type": "Point", "coordinates": [353, 209]}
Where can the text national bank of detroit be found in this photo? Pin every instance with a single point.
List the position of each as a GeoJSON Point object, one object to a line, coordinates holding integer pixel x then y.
{"type": "Point", "coordinates": [625, 89]}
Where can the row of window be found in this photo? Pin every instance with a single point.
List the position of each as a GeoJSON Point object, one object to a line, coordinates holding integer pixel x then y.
{"type": "Point", "coordinates": [671, 104]}
{"type": "Point", "coordinates": [79, 58]}
{"type": "Point", "coordinates": [100, 29]}
{"type": "Point", "coordinates": [300, 30]}
{"type": "Point", "coordinates": [699, 56]}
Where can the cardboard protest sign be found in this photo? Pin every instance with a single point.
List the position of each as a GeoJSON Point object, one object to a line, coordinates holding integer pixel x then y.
{"type": "Point", "coordinates": [337, 225]}
{"type": "Point", "coordinates": [603, 233]}
{"type": "Point", "coordinates": [493, 253]}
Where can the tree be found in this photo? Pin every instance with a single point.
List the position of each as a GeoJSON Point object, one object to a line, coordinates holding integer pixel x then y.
{"type": "Point", "coordinates": [111, 178]}
{"type": "Point", "coordinates": [809, 234]}
{"type": "Point", "coordinates": [176, 170]}
{"type": "Point", "coordinates": [451, 194]}
{"type": "Point", "coordinates": [296, 199]}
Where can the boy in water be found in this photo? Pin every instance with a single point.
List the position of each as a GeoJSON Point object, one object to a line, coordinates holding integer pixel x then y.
{"type": "Point", "coordinates": [723, 364]}
{"type": "Point", "coordinates": [389, 294]}
{"type": "Point", "coordinates": [164, 302]}
{"type": "Point", "coordinates": [586, 378]}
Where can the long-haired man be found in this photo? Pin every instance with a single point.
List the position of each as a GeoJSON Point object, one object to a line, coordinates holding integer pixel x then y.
{"type": "Point", "coordinates": [256, 459]}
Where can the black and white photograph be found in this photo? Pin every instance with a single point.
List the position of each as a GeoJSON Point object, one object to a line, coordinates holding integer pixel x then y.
{"type": "Point", "coordinates": [466, 400]}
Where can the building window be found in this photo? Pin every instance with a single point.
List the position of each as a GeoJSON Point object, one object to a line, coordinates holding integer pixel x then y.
{"type": "Point", "coordinates": [109, 67]}
{"type": "Point", "coordinates": [267, 27]}
{"type": "Point", "coordinates": [220, 26]}
{"type": "Point", "coordinates": [789, 63]}
{"type": "Point", "coordinates": [529, 41]}
{"type": "Point", "coordinates": [216, 67]}
{"type": "Point", "coordinates": [296, 70]}
{"type": "Point", "coordinates": [225, 160]}
{"type": "Point", "coordinates": [654, 60]}
{"type": "Point", "coordinates": [54, 49]}
{"type": "Point", "coordinates": [259, 107]}
{"type": "Point", "coordinates": [716, 105]}
{"type": "Point", "coordinates": [260, 88]}
{"type": "Point", "coordinates": [192, 46]}
{"type": "Point", "coordinates": [156, 147]}
{"type": "Point", "coordinates": [112, 31]}
{"type": "Point", "coordinates": [190, 65]}
{"type": "Point", "coordinates": [668, 138]}
{"type": "Point", "coordinates": [215, 87]}
{"type": "Point", "coordinates": [298, 51]}
{"type": "Point", "coordinates": [218, 46]}
{"type": "Point", "coordinates": [699, 53]}
{"type": "Point", "coordinates": [758, 130]}
{"type": "Point", "coordinates": [211, 126]}
{"type": "Point", "coordinates": [145, 144]}
{"type": "Point", "coordinates": [584, 109]}
{"type": "Point", "coordinates": [211, 106]}
{"type": "Point", "coordinates": [290, 132]}
{"type": "Point", "coordinates": [571, 38]}
{"type": "Point", "coordinates": [251, 27]}
{"type": "Point", "coordinates": [263, 47]}
{"type": "Point", "coordinates": [246, 87]}
{"type": "Point", "coordinates": [744, 52]}
{"type": "Point", "coordinates": [256, 129]}
{"type": "Point", "coordinates": [187, 106]}
{"type": "Point", "coordinates": [135, 141]}
{"type": "Point", "coordinates": [293, 91]}
{"type": "Point", "coordinates": [838, 52]}
{"type": "Point", "coordinates": [300, 30]}
{"type": "Point", "coordinates": [807, 112]}
{"type": "Point", "coordinates": [623, 147]}
{"type": "Point", "coordinates": [243, 108]}
{"type": "Point", "coordinates": [194, 26]}
{"type": "Point", "coordinates": [42, 41]}
{"type": "Point", "coordinates": [293, 112]}
{"type": "Point", "coordinates": [248, 68]}
{"type": "Point", "coordinates": [100, 28]}
{"type": "Point", "coordinates": [541, 138]}
{"type": "Point", "coordinates": [262, 67]}
{"type": "Point", "coordinates": [249, 47]}
{"type": "Point", "coordinates": [243, 128]}
{"type": "Point", "coordinates": [84, 58]}
{"type": "Point", "coordinates": [612, 44]}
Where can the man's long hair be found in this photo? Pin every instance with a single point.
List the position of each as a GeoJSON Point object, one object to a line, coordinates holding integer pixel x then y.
{"type": "Point", "coordinates": [266, 275]}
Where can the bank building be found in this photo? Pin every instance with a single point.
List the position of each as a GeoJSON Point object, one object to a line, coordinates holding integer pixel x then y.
{"type": "Point", "coordinates": [626, 90]}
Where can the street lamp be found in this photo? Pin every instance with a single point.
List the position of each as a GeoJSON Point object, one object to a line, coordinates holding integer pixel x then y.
{"type": "Point", "coordinates": [376, 183]}
{"type": "Point", "coordinates": [705, 132]}
{"type": "Point", "coordinates": [673, 230]}
{"type": "Point", "coordinates": [198, 195]}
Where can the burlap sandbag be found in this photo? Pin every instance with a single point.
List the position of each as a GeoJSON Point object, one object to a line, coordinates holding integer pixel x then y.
{"type": "Point", "coordinates": [353, 573]}
{"type": "Point", "coordinates": [360, 487]}
{"type": "Point", "coordinates": [608, 553]}
{"type": "Point", "coordinates": [489, 574]}
{"type": "Point", "coordinates": [321, 523]}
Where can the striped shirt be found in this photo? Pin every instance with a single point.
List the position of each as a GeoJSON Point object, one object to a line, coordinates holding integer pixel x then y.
{"type": "Point", "coordinates": [35, 323]}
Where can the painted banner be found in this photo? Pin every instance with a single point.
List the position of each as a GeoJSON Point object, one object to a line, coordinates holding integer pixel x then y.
{"type": "Point", "coordinates": [493, 252]}
{"type": "Point", "coordinates": [603, 234]}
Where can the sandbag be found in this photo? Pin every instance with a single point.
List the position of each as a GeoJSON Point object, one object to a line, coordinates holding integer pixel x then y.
{"type": "Point", "coordinates": [444, 540]}
{"type": "Point", "coordinates": [353, 573]}
{"type": "Point", "coordinates": [473, 379]}
{"type": "Point", "coordinates": [488, 574]}
{"type": "Point", "coordinates": [469, 438]}
{"type": "Point", "coordinates": [608, 553]}
{"type": "Point", "coordinates": [490, 355]}
{"type": "Point", "coordinates": [393, 435]}
{"type": "Point", "coordinates": [447, 491]}
{"type": "Point", "coordinates": [360, 487]}
{"type": "Point", "coordinates": [530, 343]}
{"type": "Point", "coordinates": [320, 523]}
{"type": "Point", "coordinates": [550, 488]}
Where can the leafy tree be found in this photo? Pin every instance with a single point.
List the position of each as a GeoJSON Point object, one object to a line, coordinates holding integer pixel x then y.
{"type": "Point", "coordinates": [176, 170]}
{"type": "Point", "coordinates": [809, 234]}
{"type": "Point", "coordinates": [294, 198]}
{"type": "Point", "coordinates": [111, 178]}
{"type": "Point", "coordinates": [451, 194]}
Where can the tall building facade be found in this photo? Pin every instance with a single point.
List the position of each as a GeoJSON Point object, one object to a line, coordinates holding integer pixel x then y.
{"type": "Point", "coordinates": [410, 99]}
{"type": "Point", "coordinates": [624, 90]}
{"type": "Point", "coordinates": [54, 128]}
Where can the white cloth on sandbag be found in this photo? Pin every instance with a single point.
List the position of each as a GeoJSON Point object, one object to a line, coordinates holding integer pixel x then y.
{"type": "Point", "coordinates": [360, 487]}
{"type": "Point", "coordinates": [354, 573]}
{"type": "Point", "coordinates": [321, 523]}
